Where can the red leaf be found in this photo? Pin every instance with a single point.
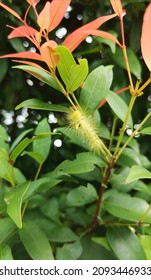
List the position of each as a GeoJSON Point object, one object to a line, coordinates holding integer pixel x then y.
{"type": "Point", "coordinates": [10, 11]}
{"type": "Point", "coordinates": [33, 2]}
{"type": "Point", "coordinates": [29, 63]}
{"type": "Point", "coordinates": [117, 7]}
{"type": "Point", "coordinates": [46, 51]}
{"type": "Point", "coordinates": [57, 9]}
{"type": "Point", "coordinates": [103, 34]}
{"type": "Point", "coordinates": [75, 38]}
{"type": "Point", "coordinates": [28, 55]}
{"type": "Point", "coordinates": [146, 38]}
{"type": "Point", "coordinates": [22, 31]}
{"type": "Point", "coordinates": [44, 17]}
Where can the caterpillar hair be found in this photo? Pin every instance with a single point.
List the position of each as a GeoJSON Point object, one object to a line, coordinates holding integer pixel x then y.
{"type": "Point", "coordinates": [85, 128]}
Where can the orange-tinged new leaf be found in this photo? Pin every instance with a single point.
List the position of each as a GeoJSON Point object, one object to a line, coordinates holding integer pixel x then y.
{"type": "Point", "coordinates": [44, 17]}
{"type": "Point", "coordinates": [22, 31]}
{"type": "Point", "coordinates": [47, 55]}
{"type": "Point", "coordinates": [57, 10]}
{"type": "Point", "coordinates": [8, 9]}
{"type": "Point", "coordinates": [28, 55]}
{"type": "Point", "coordinates": [117, 7]}
{"type": "Point", "coordinates": [33, 2]}
{"type": "Point", "coordinates": [146, 37]}
{"type": "Point", "coordinates": [103, 34]}
{"type": "Point", "coordinates": [73, 40]}
{"type": "Point", "coordinates": [28, 63]}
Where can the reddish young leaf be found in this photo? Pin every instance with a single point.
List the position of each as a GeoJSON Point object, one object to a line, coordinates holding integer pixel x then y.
{"type": "Point", "coordinates": [44, 17]}
{"type": "Point", "coordinates": [28, 63]}
{"type": "Point", "coordinates": [33, 2]}
{"type": "Point", "coordinates": [10, 11]}
{"type": "Point", "coordinates": [146, 38]}
{"type": "Point", "coordinates": [46, 51]}
{"type": "Point", "coordinates": [22, 31]}
{"type": "Point", "coordinates": [75, 38]}
{"type": "Point", "coordinates": [28, 55]}
{"type": "Point", "coordinates": [117, 7]}
{"type": "Point", "coordinates": [103, 34]}
{"type": "Point", "coordinates": [57, 10]}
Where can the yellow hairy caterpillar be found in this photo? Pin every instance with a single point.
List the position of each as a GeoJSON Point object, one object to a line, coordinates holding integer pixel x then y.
{"type": "Point", "coordinates": [84, 127]}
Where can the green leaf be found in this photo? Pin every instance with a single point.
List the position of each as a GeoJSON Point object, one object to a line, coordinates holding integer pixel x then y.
{"type": "Point", "coordinates": [138, 172]}
{"type": "Point", "coordinates": [69, 251]}
{"type": "Point", "coordinates": [65, 63]}
{"type": "Point", "coordinates": [146, 244]}
{"type": "Point", "coordinates": [42, 146]}
{"type": "Point", "coordinates": [41, 75]}
{"type": "Point", "coordinates": [96, 88]}
{"type": "Point", "coordinates": [146, 130]}
{"type": "Point", "coordinates": [35, 241]}
{"type": "Point", "coordinates": [7, 228]}
{"type": "Point", "coordinates": [62, 234]}
{"type": "Point", "coordinates": [135, 65]}
{"type": "Point", "coordinates": [82, 195]}
{"type": "Point", "coordinates": [84, 162]}
{"type": "Point", "coordinates": [5, 253]}
{"type": "Point", "coordinates": [19, 138]}
{"type": "Point", "coordinates": [102, 241]}
{"type": "Point", "coordinates": [3, 138]}
{"type": "Point", "coordinates": [78, 74]}
{"type": "Point", "coordinates": [40, 184]}
{"type": "Point", "coordinates": [14, 201]}
{"type": "Point", "coordinates": [6, 169]}
{"type": "Point", "coordinates": [24, 143]}
{"type": "Point", "coordinates": [119, 107]}
{"type": "Point", "coordinates": [39, 105]}
{"type": "Point", "coordinates": [125, 207]}
{"type": "Point", "coordinates": [125, 244]}
{"type": "Point", "coordinates": [36, 156]}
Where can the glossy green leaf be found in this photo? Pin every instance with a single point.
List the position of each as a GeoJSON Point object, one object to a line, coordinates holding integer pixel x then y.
{"type": "Point", "coordinates": [14, 201]}
{"type": "Point", "coordinates": [3, 138]}
{"type": "Point", "coordinates": [40, 184]}
{"type": "Point", "coordinates": [6, 169]}
{"type": "Point", "coordinates": [69, 251]}
{"type": "Point", "coordinates": [146, 130]}
{"type": "Point", "coordinates": [41, 75]}
{"type": "Point", "coordinates": [7, 228]}
{"type": "Point", "coordinates": [19, 138]}
{"type": "Point", "coordinates": [146, 244]}
{"type": "Point", "coordinates": [125, 244]}
{"type": "Point", "coordinates": [62, 234]}
{"type": "Point", "coordinates": [42, 146]}
{"type": "Point", "coordinates": [35, 241]}
{"type": "Point", "coordinates": [36, 156]}
{"type": "Point", "coordinates": [135, 65]}
{"type": "Point", "coordinates": [65, 63]}
{"type": "Point", "coordinates": [129, 157]}
{"type": "Point", "coordinates": [5, 253]}
{"type": "Point", "coordinates": [138, 172]}
{"type": "Point", "coordinates": [96, 87]}
{"type": "Point", "coordinates": [118, 106]}
{"type": "Point", "coordinates": [18, 176]}
{"type": "Point", "coordinates": [126, 207]}
{"type": "Point", "coordinates": [84, 162]}
{"type": "Point", "coordinates": [39, 105]}
{"type": "Point", "coordinates": [78, 74]}
{"type": "Point", "coordinates": [102, 241]}
{"type": "Point", "coordinates": [82, 195]}
{"type": "Point", "coordinates": [24, 143]}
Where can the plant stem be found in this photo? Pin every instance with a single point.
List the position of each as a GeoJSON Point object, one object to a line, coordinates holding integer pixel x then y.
{"type": "Point", "coordinates": [132, 101]}
{"type": "Point", "coordinates": [112, 132]}
{"type": "Point", "coordinates": [145, 85]}
{"type": "Point", "coordinates": [135, 132]}
{"type": "Point", "coordinates": [38, 171]}
{"type": "Point", "coordinates": [125, 54]}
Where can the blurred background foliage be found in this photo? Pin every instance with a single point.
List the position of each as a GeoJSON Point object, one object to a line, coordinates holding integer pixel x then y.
{"type": "Point", "coordinates": [17, 86]}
